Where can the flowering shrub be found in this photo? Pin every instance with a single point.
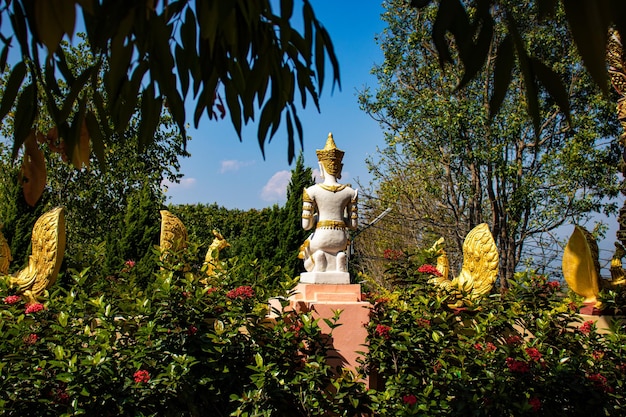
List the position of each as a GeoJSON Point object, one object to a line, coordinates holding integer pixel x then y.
{"type": "Point", "coordinates": [107, 346]}
{"type": "Point", "coordinates": [514, 354]}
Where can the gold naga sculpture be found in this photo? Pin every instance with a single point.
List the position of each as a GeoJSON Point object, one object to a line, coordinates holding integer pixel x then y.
{"type": "Point", "coordinates": [581, 267]}
{"type": "Point", "coordinates": [44, 263]}
{"type": "Point", "coordinates": [479, 270]}
{"type": "Point", "coordinates": [5, 255]}
{"type": "Point", "coordinates": [173, 236]}
{"type": "Point", "coordinates": [213, 253]}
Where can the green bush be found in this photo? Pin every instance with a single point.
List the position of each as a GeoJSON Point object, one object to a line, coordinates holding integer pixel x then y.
{"type": "Point", "coordinates": [514, 354]}
{"type": "Point", "coordinates": [106, 346]}
{"type": "Point", "coordinates": [188, 346]}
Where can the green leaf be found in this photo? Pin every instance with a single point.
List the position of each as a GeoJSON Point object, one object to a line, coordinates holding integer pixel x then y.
{"type": "Point", "coordinates": [474, 61]}
{"type": "Point", "coordinates": [24, 117]}
{"type": "Point", "coordinates": [97, 139]}
{"type": "Point", "coordinates": [503, 71]}
{"type": "Point", "coordinates": [552, 82]}
{"type": "Point", "coordinates": [11, 88]}
{"type": "Point", "coordinates": [532, 100]}
{"type": "Point", "coordinates": [234, 107]}
{"type": "Point", "coordinates": [589, 24]}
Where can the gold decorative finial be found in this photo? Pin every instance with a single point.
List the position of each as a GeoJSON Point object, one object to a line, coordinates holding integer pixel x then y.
{"type": "Point", "coordinates": [331, 157]}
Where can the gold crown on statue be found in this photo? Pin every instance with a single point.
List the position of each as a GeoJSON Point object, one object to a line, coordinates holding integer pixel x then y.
{"type": "Point", "coordinates": [331, 157]}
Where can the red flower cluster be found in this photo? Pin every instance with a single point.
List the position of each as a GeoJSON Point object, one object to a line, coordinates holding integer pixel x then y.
{"type": "Point", "coordinates": [600, 382]}
{"type": "Point", "coordinates": [586, 327]}
{"type": "Point", "coordinates": [31, 339]}
{"type": "Point", "coordinates": [554, 285]}
{"type": "Point", "coordinates": [34, 308]}
{"type": "Point", "coordinates": [429, 269]}
{"type": "Point", "coordinates": [392, 254]}
{"type": "Point", "coordinates": [382, 331]}
{"type": "Point", "coordinates": [513, 340]}
{"type": "Point", "coordinates": [192, 330]}
{"type": "Point", "coordinates": [535, 403]}
{"type": "Point", "coordinates": [425, 323]}
{"type": "Point", "coordinates": [141, 376]}
{"type": "Point", "coordinates": [210, 290]}
{"type": "Point", "coordinates": [409, 399]}
{"type": "Point", "coordinates": [489, 348]}
{"type": "Point", "coordinates": [533, 353]}
{"type": "Point", "coordinates": [517, 366]}
{"type": "Point", "coordinates": [12, 299]}
{"type": "Point", "coordinates": [130, 264]}
{"type": "Point", "coordinates": [243, 292]}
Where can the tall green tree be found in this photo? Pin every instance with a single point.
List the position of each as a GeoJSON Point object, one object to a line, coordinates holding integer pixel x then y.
{"type": "Point", "coordinates": [291, 233]}
{"type": "Point", "coordinates": [448, 166]}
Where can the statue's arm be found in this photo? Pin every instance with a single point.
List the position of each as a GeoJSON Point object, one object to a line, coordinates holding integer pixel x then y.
{"type": "Point", "coordinates": [353, 211]}
{"type": "Point", "coordinates": [308, 211]}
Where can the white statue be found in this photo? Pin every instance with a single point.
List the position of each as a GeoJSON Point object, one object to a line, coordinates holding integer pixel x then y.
{"type": "Point", "coordinates": [330, 208]}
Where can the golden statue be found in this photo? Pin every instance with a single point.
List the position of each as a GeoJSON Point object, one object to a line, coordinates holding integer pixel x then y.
{"type": "Point", "coordinates": [47, 249]}
{"type": "Point", "coordinates": [5, 255]}
{"type": "Point", "coordinates": [173, 234]}
{"type": "Point", "coordinates": [581, 267]}
{"type": "Point", "coordinates": [213, 253]}
{"type": "Point", "coordinates": [479, 270]}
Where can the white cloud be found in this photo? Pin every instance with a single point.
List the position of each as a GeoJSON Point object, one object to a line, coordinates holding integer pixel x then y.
{"type": "Point", "coordinates": [231, 165]}
{"type": "Point", "coordinates": [184, 183]}
{"type": "Point", "coordinates": [276, 187]}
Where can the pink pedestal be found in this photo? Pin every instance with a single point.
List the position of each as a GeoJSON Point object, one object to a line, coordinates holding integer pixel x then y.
{"type": "Point", "coordinates": [322, 300]}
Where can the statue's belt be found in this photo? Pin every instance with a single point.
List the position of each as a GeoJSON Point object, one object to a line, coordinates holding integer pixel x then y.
{"type": "Point", "coordinates": [331, 224]}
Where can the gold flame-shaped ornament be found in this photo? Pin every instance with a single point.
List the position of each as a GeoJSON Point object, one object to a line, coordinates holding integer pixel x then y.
{"type": "Point", "coordinates": [47, 250]}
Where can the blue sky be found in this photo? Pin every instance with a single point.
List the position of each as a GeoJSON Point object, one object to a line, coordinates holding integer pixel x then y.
{"type": "Point", "coordinates": [234, 174]}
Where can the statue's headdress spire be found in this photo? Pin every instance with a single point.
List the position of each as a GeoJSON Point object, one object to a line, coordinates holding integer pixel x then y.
{"type": "Point", "coordinates": [331, 157]}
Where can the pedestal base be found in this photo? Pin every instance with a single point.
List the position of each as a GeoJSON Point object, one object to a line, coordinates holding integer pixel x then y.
{"type": "Point", "coordinates": [322, 300]}
{"type": "Point", "coordinates": [325, 278]}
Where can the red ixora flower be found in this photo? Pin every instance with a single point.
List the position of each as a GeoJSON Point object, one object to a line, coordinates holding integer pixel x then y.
{"type": "Point", "coordinates": [586, 327]}
{"type": "Point", "coordinates": [534, 354]}
{"type": "Point", "coordinates": [600, 382]}
{"type": "Point", "coordinates": [517, 366]}
{"type": "Point", "coordinates": [425, 323]}
{"type": "Point", "coordinates": [429, 269]}
{"type": "Point", "coordinates": [34, 308]}
{"type": "Point", "coordinates": [513, 340]}
{"type": "Point", "coordinates": [141, 376]}
{"type": "Point", "coordinates": [382, 330]}
{"type": "Point", "coordinates": [31, 339]}
{"type": "Point", "coordinates": [535, 403]}
{"type": "Point", "coordinates": [409, 399]}
{"type": "Point", "coordinates": [554, 285]}
{"type": "Point", "coordinates": [12, 299]}
{"type": "Point", "coordinates": [243, 292]}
